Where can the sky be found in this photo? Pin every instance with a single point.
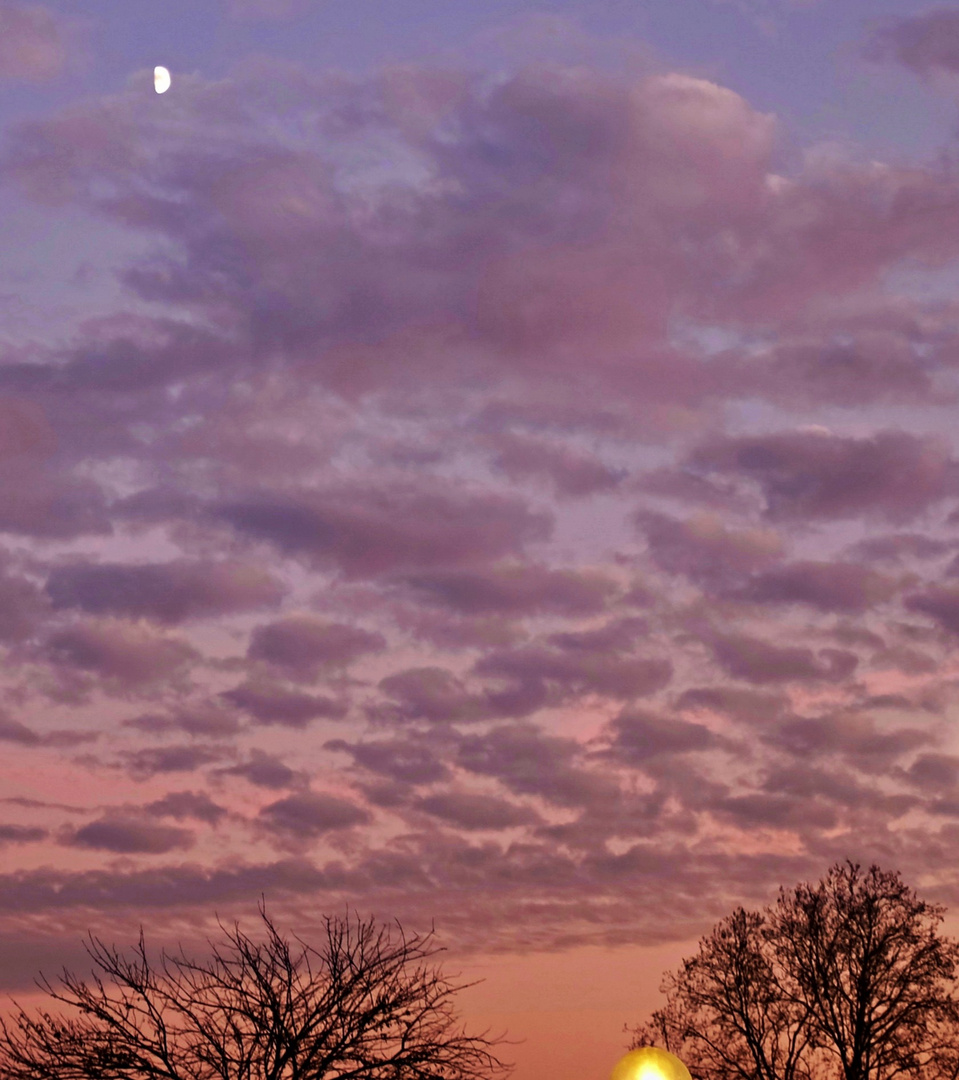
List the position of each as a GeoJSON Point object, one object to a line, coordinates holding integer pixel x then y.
{"type": "Point", "coordinates": [483, 465]}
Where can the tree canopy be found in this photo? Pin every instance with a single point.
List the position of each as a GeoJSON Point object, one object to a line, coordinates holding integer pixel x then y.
{"type": "Point", "coordinates": [368, 1004]}
{"type": "Point", "coordinates": [850, 976]}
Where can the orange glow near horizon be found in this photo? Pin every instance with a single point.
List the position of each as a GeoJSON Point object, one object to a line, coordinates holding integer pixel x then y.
{"type": "Point", "coordinates": [650, 1063]}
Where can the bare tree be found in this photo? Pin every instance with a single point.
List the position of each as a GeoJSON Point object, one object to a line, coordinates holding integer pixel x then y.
{"type": "Point", "coordinates": [727, 1016]}
{"type": "Point", "coordinates": [851, 972]}
{"type": "Point", "coordinates": [366, 1005]}
{"type": "Point", "coordinates": [867, 961]}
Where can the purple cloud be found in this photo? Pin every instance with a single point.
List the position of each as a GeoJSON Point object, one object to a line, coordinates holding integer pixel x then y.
{"type": "Point", "coordinates": [399, 759]}
{"type": "Point", "coordinates": [925, 43]}
{"type": "Point", "coordinates": [21, 608]}
{"type": "Point", "coordinates": [15, 732]}
{"type": "Point", "coordinates": [21, 834]}
{"type": "Point", "coordinates": [370, 533]}
{"type": "Point", "coordinates": [433, 694]}
{"type": "Point", "coordinates": [186, 804]}
{"type": "Point", "coordinates": [760, 661]}
{"type": "Point", "coordinates": [302, 646]}
{"type": "Point", "coordinates": [529, 762]}
{"type": "Point", "coordinates": [827, 586]}
{"type": "Point", "coordinates": [935, 770]}
{"type": "Point", "coordinates": [126, 653]}
{"type": "Point", "coordinates": [263, 770]}
{"type": "Point", "coordinates": [129, 837]}
{"type": "Point", "coordinates": [635, 736]}
{"type": "Point", "coordinates": [896, 547]}
{"type": "Point", "coordinates": [170, 592]}
{"type": "Point", "coordinates": [704, 549]}
{"type": "Point", "coordinates": [850, 735]}
{"type": "Point", "coordinates": [510, 389]}
{"type": "Point", "coordinates": [750, 706]}
{"type": "Point", "coordinates": [515, 590]}
{"type": "Point", "coordinates": [210, 720]}
{"type": "Point", "coordinates": [309, 814]}
{"type": "Point", "coordinates": [571, 474]}
{"type": "Point", "coordinates": [540, 674]}
{"type": "Point", "coordinates": [152, 761]}
{"type": "Point", "coordinates": [941, 602]}
{"type": "Point", "coordinates": [268, 704]}
{"type": "Point", "coordinates": [892, 474]}
{"type": "Point", "coordinates": [474, 811]}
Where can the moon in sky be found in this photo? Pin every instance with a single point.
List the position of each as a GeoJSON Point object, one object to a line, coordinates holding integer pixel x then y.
{"type": "Point", "coordinates": [161, 80]}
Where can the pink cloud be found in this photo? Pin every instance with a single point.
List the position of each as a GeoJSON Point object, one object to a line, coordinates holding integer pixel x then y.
{"type": "Point", "coordinates": [32, 43]}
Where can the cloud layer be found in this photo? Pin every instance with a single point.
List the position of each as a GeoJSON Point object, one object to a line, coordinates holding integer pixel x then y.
{"type": "Point", "coordinates": [505, 499]}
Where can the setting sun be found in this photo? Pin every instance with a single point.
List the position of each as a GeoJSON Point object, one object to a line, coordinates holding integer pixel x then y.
{"type": "Point", "coordinates": [649, 1063]}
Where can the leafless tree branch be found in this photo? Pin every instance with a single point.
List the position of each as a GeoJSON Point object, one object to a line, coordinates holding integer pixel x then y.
{"type": "Point", "coordinates": [368, 1004]}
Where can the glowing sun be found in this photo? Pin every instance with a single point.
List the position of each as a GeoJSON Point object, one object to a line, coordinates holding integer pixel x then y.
{"type": "Point", "coordinates": [650, 1063]}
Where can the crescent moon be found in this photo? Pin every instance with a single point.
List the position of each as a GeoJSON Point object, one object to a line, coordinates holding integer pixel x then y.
{"type": "Point", "coordinates": [161, 79]}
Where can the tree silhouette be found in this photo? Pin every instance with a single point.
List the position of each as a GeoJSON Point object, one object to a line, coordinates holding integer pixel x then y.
{"type": "Point", "coordinates": [727, 1015]}
{"type": "Point", "coordinates": [851, 972]}
{"type": "Point", "coordinates": [366, 1005]}
{"type": "Point", "coordinates": [866, 956]}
